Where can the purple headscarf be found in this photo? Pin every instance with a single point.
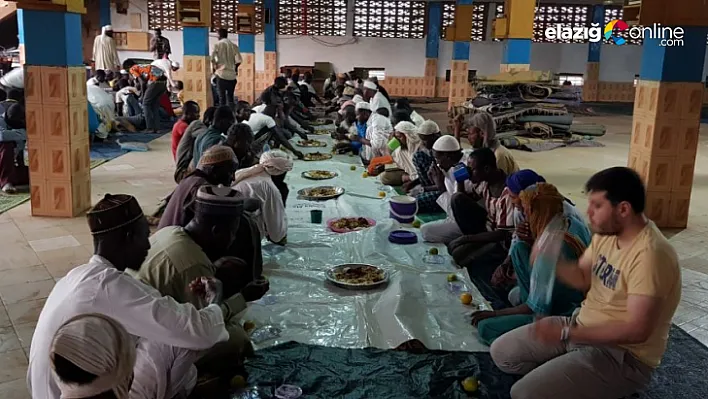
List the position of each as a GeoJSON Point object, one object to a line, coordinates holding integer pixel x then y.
{"type": "Point", "coordinates": [522, 179]}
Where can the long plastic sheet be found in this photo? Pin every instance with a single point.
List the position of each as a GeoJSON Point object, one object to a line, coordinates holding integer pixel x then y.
{"type": "Point", "coordinates": [417, 303]}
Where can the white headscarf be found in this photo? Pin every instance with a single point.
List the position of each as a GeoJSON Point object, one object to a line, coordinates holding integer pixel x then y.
{"type": "Point", "coordinates": [274, 162]}
{"type": "Point", "coordinates": [411, 133]}
{"type": "Point", "coordinates": [404, 157]}
{"type": "Point", "coordinates": [98, 345]}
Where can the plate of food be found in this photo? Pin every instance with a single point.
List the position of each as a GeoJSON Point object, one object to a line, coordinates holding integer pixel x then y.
{"type": "Point", "coordinates": [317, 156]}
{"type": "Point", "coordinates": [321, 193]}
{"type": "Point", "coordinates": [349, 224]}
{"type": "Point", "coordinates": [357, 276]}
{"type": "Point", "coordinates": [318, 174]}
{"type": "Point", "coordinates": [311, 143]}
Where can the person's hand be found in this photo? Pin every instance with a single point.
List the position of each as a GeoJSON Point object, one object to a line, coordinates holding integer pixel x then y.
{"type": "Point", "coordinates": [482, 315]}
{"type": "Point", "coordinates": [437, 176]}
{"type": "Point", "coordinates": [379, 169]}
{"type": "Point", "coordinates": [253, 292]}
{"type": "Point", "coordinates": [209, 288]}
{"type": "Point", "coordinates": [523, 231]}
{"type": "Point", "coordinates": [407, 186]}
{"type": "Point", "coordinates": [405, 178]}
{"type": "Point", "coordinates": [547, 330]}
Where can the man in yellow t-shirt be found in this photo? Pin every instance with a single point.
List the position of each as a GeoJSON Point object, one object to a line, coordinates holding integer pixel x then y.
{"type": "Point", "coordinates": [615, 340]}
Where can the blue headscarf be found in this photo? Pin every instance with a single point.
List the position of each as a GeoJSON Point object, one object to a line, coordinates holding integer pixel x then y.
{"type": "Point", "coordinates": [522, 179]}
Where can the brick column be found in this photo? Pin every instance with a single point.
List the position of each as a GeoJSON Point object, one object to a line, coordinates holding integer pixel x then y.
{"type": "Point", "coordinates": [432, 44]}
{"type": "Point", "coordinates": [592, 73]}
{"type": "Point", "coordinates": [197, 66]}
{"type": "Point", "coordinates": [516, 56]}
{"type": "Point", "coordinates": [56, 109]}
{"type": "Point", "coordinates": [667, 111]}
{"type": "Point", "coordinates": [270, 67]}
{"type": "Point", "coordinates": [246, 86]}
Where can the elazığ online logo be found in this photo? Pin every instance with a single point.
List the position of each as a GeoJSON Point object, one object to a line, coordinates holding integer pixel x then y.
{"type": "Point", "coordinates": [668, 36]}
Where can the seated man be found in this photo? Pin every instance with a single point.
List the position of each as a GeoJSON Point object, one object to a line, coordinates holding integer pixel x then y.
{"type": "Point", "coordinates": [223, 119]}
{"type": "Point", "coordinates": [185, 149]}
{"type": "Point", "coordinates": [98, 79]}
{"type": "Point", "coordinates": [447, 153]}
{"type": "Point", "coordinates": [265, 130]}
{"type": "Point", "coordinates": [240, 139]}
{"type": "Point", "coordinates": [120, 234]}
{"type": "Point", "coordinates": [14, 96]}
{"type": "Point", "coordinates": [632, 280]}
{"type": "Point", "coordinates": [190, 114]}
{"type": "Point", "coordinates": [13, 139]}
{"type": "Point", "coordinates": [482, 133]}
{"type": "Point", "coordinates": [424, 188]}
{"type": "Point", "coordinates": [375, 98]}
{"type": "Point", "coordinates": [541, 204]}
{"type": "Point", "coordinates": [266, 182]}
{"type": "Point", "coordinates": [127, 98]}
{"type": "Point", "coordinates": [273, 95]}
{"type": "Point", "coordinates": [216, 166]}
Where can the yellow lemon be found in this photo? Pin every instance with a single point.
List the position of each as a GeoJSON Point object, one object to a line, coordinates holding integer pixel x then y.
{"type": "Point", "coordinates": [352, 167]}
{"type": "Point", "coordinates": [470, 384]}
{"type": "Point", "coordinates": [466, 298]}
{"type": "Point", "coordinates": [382, 194]}
{"type": "Point", "coordinates": [451, 277]}
{"type": "Point", "coordinates": [364, 175]}
{"type": "Point", "coordinates": [239, 382]}
{"type": "Point", "coordinates": [416, 223]}
{"type": "Point", "coordinates": [433, 251]}
{"type": "Point", "coordinates": [249, 325]}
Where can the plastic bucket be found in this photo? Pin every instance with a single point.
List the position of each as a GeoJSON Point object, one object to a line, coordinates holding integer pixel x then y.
{"type": "Point", "coordinates": [403, 208]}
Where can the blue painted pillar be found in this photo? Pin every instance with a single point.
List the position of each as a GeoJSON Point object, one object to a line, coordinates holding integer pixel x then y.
{"type": "Point", "coordinates": [270, 46]}
{"type": "Point", "coordinates": [56, 110]}
{"type": "Point", "coordinates": [591, 82]}
{"type": "Point", "coordinates": [516, 55]}
{"type": "Point", "coordinates": [245, 89]}
{"type": "Point", "coordinates": [459, 84]}
{"type": "Point", "coordinates": [104, 12]}
{"type": "Point", "coordinates": [432, 44]}
{"type": "Point", "coordinates": [197, 65]}
{"type": "Point", "coordinates": [667, 111]}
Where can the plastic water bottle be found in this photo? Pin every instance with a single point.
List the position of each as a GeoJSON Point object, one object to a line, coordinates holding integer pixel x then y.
{"type": "Point", "coordinates": [266, 147]}
{"type": "Point", "coordinates": [543, 273]}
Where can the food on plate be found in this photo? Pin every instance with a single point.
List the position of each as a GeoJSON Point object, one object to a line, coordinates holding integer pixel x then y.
{"type": "Point", "coordinates": [320, 174]}
{"type": "Point", "coordinates": [359, 275]}
{"type": "Point", "coordinates": [382, 194]}
{"type": "Point", "coordinates": [450, 277]}
{"type": "Point", "coordinates": [351, 223]}
{"type": "Point", "coordinates": [317, 156]}
{"type": "Point", "coordinates": [470, 384]}
{"type": "Point", "coordinates": [352, 167]}
{"type": "Point", "coordinates": [466, 298]}
{"type": "Point", "coordinates": [320, 192]}
{"type": "Point", "coordinates": [433, 251]}
{"type": "Point", "coordinates": [416, 223]}
{"type": "Point", "coordinates": [311, 143]}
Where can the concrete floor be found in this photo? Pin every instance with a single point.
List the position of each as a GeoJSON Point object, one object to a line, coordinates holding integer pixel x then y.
{"type": "Point", "coordinates": [36, 252]}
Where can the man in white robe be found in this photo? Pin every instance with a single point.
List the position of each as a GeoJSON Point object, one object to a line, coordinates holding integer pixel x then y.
{"type": "Point", "coordinates": [178, 332]}
{"type": "Point", "coordinates": [168, 67]}
{"type": "Point", "coordinates": [375, 98]}
{"type": "Point", "coordinates": [105, 53]}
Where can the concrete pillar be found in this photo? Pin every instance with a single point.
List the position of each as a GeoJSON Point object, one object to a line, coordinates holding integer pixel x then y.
{"type": "Point", "coordinates": [246, 86]}
{"type": "Point", "coordinates": [667, 111]}
{"type": "Point", "coordinates": [432, 44]}
{"type": "Point", "coordinates": [56, 109]}
{"type": "Point", "coordinates": [516, 55]}
{"type": "Point", "coordinates": [270, 47]}
{"type": "Point", "coordinates": [592, 72]}
{"type": "Point", "coordinates": [197, 65]}
{"type": "Point", "coordinates": [459, 84]}
{"type": "Point", "coordinates": [104, 12]}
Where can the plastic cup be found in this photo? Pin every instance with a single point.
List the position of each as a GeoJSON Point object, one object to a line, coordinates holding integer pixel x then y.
{"type": "Point", "coordinates": [316, 216]}
{"type": "Point", "coordinates": [393, 144]}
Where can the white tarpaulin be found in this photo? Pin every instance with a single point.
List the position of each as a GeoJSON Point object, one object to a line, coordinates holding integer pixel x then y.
{"type": "Point", "coordinates": [417, 303]}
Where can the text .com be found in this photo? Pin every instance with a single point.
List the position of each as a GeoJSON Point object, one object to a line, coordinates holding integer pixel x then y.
{"type": "Point", "coordinates": [667, 36]}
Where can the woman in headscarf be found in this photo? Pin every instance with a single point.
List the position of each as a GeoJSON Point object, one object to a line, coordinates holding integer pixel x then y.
{"type": "Point", "coordinates": [424, 188]}
{"type": "Point", "coordinates": [266, 182]}
{"type": "Point", "coordinates": [540, 204]}
{"type": "Point", "coordinates": [93, 356]}
{"type": "Point", "coordinates": [481, 132]}
{"type": "Point", "coordinates": [406, 133]}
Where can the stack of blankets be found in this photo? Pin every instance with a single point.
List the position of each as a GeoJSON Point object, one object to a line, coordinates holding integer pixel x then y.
{"type": "Point", "coordinates": [531, 115]}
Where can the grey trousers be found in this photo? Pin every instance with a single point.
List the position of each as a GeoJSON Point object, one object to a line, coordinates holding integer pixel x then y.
{"type": "Point", "coordinates": [567, 370]}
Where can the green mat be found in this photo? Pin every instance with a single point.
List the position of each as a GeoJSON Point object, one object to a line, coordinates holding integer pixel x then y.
{"type": "Point", "coordinates": [9, 201]}
{"type": "Point", "coordinates": [423, 217]}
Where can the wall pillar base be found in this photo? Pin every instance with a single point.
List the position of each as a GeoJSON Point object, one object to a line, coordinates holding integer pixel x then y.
{"type": "Point", "coordinates": [459, 86]}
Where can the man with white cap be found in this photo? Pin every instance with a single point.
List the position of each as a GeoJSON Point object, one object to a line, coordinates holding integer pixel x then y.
{"type": "Point", "coordinates": [360, 140]}
{"type": "Point", "coordinates": [266, 182]}
{"type": "Point", "coordinates": [423, 187]}
{"type": "Point", "coordinates": [168, 67]}
{"type": "Point", "coordinates": [375, 98]}
{"type": "Point", "coordinates": [105, 53]}
{"type": "Point", "coordinates": [447, 153]}
{"type": "Point", "coordinates": [120, 234]}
